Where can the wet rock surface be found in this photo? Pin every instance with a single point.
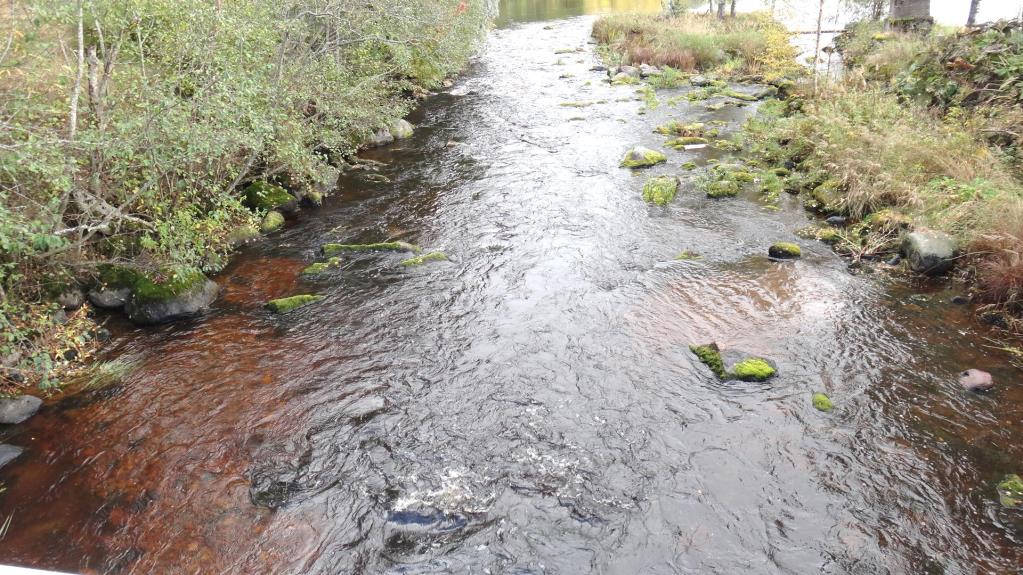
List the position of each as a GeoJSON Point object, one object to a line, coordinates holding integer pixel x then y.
{"type": "Point", "coordinates": [18, 409]}
{"type": "Point", "coordinates": [976, 380]}
{"type": "Point", "coordinates": [9, 453]}
{"type": "Point", "coordinates": [929, 252]}
{"type": "Point", "coordinates": [189, 303]}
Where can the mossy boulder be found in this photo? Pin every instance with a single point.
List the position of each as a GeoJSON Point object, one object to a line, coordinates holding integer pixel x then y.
{"type": "Point", "coordinates": [313, 198]}
{"type": "Point", "coordinates": [660, 190]}
{"type": "Point", "coordinates": [172, 296]}
{"type": "Point", "coordinates": [734, 365]}
{"type": "Point", "coordinates": [821, 402]}
{"type": "Point", "coordinates": [640, 157]}
{"type": "Point", "coordinates": [784, 251]}
{"type": "Point", "coordinates": [690, 166]}
{"type": "Point", "coordinates": [286, 304]}
{"type": "Point", "coordinates": [683, 141]}
{"type": "Point", "coordinates": [827, 198]}
{"type": "Point", "coordinates": [676, 128]}
{"type": "Point", "coordinates": [334, 249]}
{"type": "Point", "coordinates": [826, 234]}
{"type": "Point", "coordinates": [401, 129]}
{"type": "Point", "coordinates": [740, 96]}
{"type": "Point", "coordinates": [272, 221]}
{"type": "Point", "coordinates": [624, 79]}
{"type": "Point", "coordinates": [242, 235]}
{"type": "Point", "coordinates": [267, 196]}
{"type": "Point", "coordinates": [1010, 491]}
{"type": "Point", "coordinates": [724, 188]}
{"type": "Point", "coordinates": [320, 267]}
{"type": "Point", "coordinates": [420, 260]}
{"type": "Point", "coordinates": [753, 369]}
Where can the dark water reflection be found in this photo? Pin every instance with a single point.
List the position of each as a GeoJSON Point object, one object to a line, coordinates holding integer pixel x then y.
{"type": "Point", "coordinates": [531, 406]}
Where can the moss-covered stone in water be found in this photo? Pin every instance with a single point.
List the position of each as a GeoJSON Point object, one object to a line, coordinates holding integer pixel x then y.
{"type": "Point", "coordinates": [684, 141]}
{"type": "Point", "coordinates": [784, 250]}
{"type": "Point", "coordinates": [640, 157]}
{"type": "Point", "coordinates": [688, 256]}
{"type": "Point", "coordinates": [827, 197]}
{"type": "Point", "coordinates": [689, 166]}
{"type": "Point", "coordinates": [286, 304]}
{"type": "Point", "coordinates": [420, 260]}
{"type": "Point", "coordinates": [676, 128]}
{"type": "Point", "coordinates": [272, 221]}
{"type": "Point", "coordinates": [623, 79]}
{"type": "Point", "coordinates": [334, 249]}
{"type": "Point", "coordinates": [1010, 491]}
{"type": "Point", "coordinates": [660, 190]}
{"type": "Point", "coordinates": [320, 267]}
{"type": "Point", "coordinates": [171, 285]}
{"type": "Point", "coordinates": [722, 189]}
{"type": "Point", "coordinates": [314, 198]}
{"type": "Point", "coordinates": [753, 369]}
{"type": "Point", "coordinates": [821, 402]}
{"type": "Point", "coordinates": [742, 176]}
{"type": "Point", "coordinates": [266, 196]}
{"type": "Point", "coordinates": [739, 96]}
{"type": "Point", "coordinates": [710, 355]}
{"type": "Point", "coordinates": [827, 235]}
{"type": "Point", "coordinates": [727, 145]}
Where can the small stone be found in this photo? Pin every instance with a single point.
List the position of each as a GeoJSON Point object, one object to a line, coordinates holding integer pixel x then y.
{"type": "Point", "coordinates": [272, 221]}
{"type": "Point", "coordinates": [70, 354]}
{"type": "Point", "coordinates": [401, 129]}
{"type": "Point", "coordinates": [784, 251]}
{"type": "Point", "coordinates": [930, 253]}
{"type": "Point", "coordinates": [976, 380]}
{"type": "Point", "coordinates": [700, 81]}
{"type": "Point", "coordinates": [960, 300]}
{"type": "Point", "coordinates": [821, 402]}
{"type": "Point", "coordinates": [641, 157]}
{"type": "Point", "coordinates": [837, 221]}
{"type": "Point", "coordinates": [646, 70]}
{"type": "Point", "coordinates": [598, 68]}
{"type": "Point", "coordinates": [286, 304]}
{"type": "Point", "coordinates": [18, 409]}
{"type": "Point", "coordinates": [9, 453]}
{"type": "Point", "coordinates": [629, 70]}
{"type": "Point", "coordinates": [896, 260]}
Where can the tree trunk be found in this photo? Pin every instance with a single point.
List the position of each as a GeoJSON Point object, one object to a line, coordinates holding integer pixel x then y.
{"type": "Point", "coordinates": [721, 9]}
{"type": "Point", "coordinates": [877, 10]}
{"type": "Point", "coordinates": [972, 20]}
{"type": "Point", "coordinates": [817, 49]}
{"type": "Point", "coordinates": [733, 8]}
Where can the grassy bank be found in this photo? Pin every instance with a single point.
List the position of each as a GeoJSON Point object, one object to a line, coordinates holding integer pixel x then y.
{"type": "Point", "coordinates": [922, 133]}
{"type": "Point", "coordinates": [746, 46]}
{"type": "Point", "coordinates": [129, 132]}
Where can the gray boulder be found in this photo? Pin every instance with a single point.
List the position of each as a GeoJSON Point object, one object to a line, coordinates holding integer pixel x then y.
{"type": "Point", "coordinates": [630, 71]}
{"type": "Point", "coordinates": [109, 298]}
{"type": "Point", "coordinates": [700, 81]}
{"type": "Point", "coordinates": [18, 409]}
{"type": "Point", "coordinates": [646, 70]}
{"type": "Point", "coordinates": [381, 137]}
{"type": "Point", "coordinates": [185, 304]}
{"type": "Point", "coordinates": [9, 453]}
{"type": "Point", "coordinates": [71, 299]}
{"type": "Point", "coordinates": [930, 253]}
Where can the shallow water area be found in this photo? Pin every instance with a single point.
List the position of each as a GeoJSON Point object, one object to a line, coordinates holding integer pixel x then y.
{"type": "Point", "coordinates": [531, 405]}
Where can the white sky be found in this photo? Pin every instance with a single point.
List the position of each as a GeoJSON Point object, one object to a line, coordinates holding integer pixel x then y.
{"type": "Point", "coordinates": [944, 11]}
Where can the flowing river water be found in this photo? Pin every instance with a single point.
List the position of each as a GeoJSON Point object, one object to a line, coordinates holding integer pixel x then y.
{"type": "Point", "coordinates": [531, 406]}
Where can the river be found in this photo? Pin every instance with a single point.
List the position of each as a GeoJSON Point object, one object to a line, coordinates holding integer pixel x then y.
{"type": "Point", "coordinates": [531, 406]}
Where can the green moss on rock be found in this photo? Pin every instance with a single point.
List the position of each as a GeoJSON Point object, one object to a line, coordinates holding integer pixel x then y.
{"type": "Point", "coordinates": [334, 249]}
{"type": "Point", "coordinates": [688, 256]}
{"type": "Point", "coordinates": [722, 189]}
{"type": "Point", "coordinates": [821, 402]}
{"type": "Point", "coordinates": [683, 141]}
{"type": "Point", "coordinates": [1010, 491]}
{"type": "Point", "coordinates": [168, 286]}
{"type": "Point", "coordinates": [640, 157]}
{"type": "Point", "coordinates": [753, 369]}
{"type": "Point", "coordinates": [320, 267]}
{"type": "Point", "coordinates": [710, 355]}
{"type": "Point", "coordinates": [660, 190]}
{"type": "Point", "coordinates": [286, 304]}
{"type": "Point", "coordinates": [676, 128]}
{"type": "Point", "coordinates": [420, 260]}
{"type": "Point", "coordinates": [784, 250]}
{"type": "Point", "coordinates": [272, 221]}
{"type": "Point", "coordinates": [689, 166]}
{"type": "Point", "coordinates": [266, 196]}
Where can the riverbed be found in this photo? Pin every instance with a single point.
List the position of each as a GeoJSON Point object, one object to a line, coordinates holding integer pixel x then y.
{"type": "Point", "coordinates": [531, 405]}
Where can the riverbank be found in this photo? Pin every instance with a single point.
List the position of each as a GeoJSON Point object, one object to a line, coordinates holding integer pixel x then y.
{"type": "Point", "coordinates": [914, 152]}
{"type": "Point", "coordinates": [141, 145]}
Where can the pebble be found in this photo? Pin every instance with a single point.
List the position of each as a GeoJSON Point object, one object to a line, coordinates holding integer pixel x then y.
{"type": "Point", "coordinates": [976, 380]}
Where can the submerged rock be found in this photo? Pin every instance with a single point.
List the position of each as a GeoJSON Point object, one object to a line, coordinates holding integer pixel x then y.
{"type": "Point", "coordinates": [641, 157]}
{"type": "Point", "coordinates": [286, 304]}
{"type": "Point", "coordinates": [380, 137]}
{"type": "Point", "coordinates": [928, 252]}
{"type": "Point", "coordinates": [17, 409]}
{"type": "Point", "coordinates": [9, 453]}
{"type": "Point", "coordinates": [320, 267]}
{"type": "Point", "coordinates": [976, 380]}
{"type": "Point", "coordinates": [784, 251]}
{"type": "Point", "coordinates": [420, 260]}
{"type": "Point", "coordinates": [660, 190]}
{"type": "Point", "coordinates": [243, 235]}
{"type": "Point", "coordinates": [334, 249]}
{"type": "Point", "coordinates": [401, 129]}
{"type": "Point", "coordinates": [185, 296]}
{"type": "Point", "coordinates": [1010, 491]}
{"type": "Point", "coordinates": [821, 402]}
